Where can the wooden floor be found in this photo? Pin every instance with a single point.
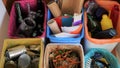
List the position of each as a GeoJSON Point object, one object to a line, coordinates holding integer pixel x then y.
{"type": "Point", "coordinates": [4, 19]}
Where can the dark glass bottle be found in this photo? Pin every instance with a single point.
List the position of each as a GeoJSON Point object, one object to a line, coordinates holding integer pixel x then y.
{"type": "Point", "coordinates": [31, 14]}
{"type": "Point", "coordinates": [27, 24]}
{"type": "Point", "coordinates": [40, 17]}
{"type": "Point", "coordinates": [19, 20]}
{"type": "Point", "coordinates": [18, 14]}
{"type": "Point", "coordinates": [93, 25]}
{"type": "Point", "coordinates": [106, 34]}
{"type": "Point", "coordinates": [99, 12]}
{"type": "Point", "coordinates": [40, 11]}
{"type": "Point", "coordinates": [92, 6]}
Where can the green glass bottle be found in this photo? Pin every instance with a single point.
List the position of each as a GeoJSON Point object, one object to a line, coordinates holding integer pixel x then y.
{"type": "Point", "coordinates": [19, 14]}
{"type": "Point", "coordinates": [93, 25]}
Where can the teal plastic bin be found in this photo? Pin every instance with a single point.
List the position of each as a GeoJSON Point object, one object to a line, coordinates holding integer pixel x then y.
{"type": "Point", "coordinates": [111, 59]}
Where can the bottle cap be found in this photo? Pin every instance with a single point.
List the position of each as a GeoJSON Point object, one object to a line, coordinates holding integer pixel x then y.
{"type": "Point", "coordinates": [104, 16]}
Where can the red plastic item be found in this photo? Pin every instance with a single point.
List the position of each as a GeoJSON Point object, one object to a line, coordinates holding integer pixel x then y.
{"type": "Point", "coordinates": [59, 22]}
{"type": "Point", "coordinates": [115, 15]}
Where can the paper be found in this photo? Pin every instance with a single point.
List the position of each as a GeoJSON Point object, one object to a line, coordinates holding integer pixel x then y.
{"type": "Point", "coordinates": [66, 35]}
{"type": "Point", "coordinates": [72, 29]}
{"type": "Point", "coordinates": [53, 26]}
{"type": "Point", "coordinates": [77, 19]}
{"type": "Point", "coordinates": [54, 8]}
{"type": "Point", "coordinates": [69, 29]}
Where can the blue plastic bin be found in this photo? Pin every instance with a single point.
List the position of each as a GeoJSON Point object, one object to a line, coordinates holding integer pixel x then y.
{"type": "Point", "coordinates": [63, 40]}
{"type": "Point", "coordinates": [112, 60]}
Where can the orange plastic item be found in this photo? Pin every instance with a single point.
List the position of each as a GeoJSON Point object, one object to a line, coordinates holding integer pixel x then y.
{"type": "Point", "coordinates": [77, 31]}
{"type": "Point", "coordinates": [108, 6]}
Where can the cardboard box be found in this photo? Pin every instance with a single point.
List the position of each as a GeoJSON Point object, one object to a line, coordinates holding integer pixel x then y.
{"type": "Point", "coordinates": [8, 43]}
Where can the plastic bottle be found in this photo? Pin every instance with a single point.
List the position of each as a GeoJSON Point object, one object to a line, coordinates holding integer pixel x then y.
{"type": "Point", "coordinates": [106, 22]}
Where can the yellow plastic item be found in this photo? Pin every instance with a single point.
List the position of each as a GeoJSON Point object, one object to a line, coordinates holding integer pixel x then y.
{"type": "Point", "coordinates": [104, 60]}
{"type": "Point", "coordinates": [16, 42]}
{"type": "Point", "coordinates": [106, 22]}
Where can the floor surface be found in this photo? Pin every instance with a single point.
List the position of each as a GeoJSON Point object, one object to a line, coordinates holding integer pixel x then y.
{"type": "Point", "coordinates": [4, 18]}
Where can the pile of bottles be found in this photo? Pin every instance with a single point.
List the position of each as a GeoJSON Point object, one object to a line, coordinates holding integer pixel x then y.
{"type": "Point", "coordinates": [101, 23]}
{"type": "Point", "coordinates": [31, 23]}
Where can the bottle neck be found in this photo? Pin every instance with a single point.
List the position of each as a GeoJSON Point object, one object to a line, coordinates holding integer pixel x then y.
{"type": "Point", "coordinates": [90, 18]}
{"type": "Point", "coordinates": [18, 10]}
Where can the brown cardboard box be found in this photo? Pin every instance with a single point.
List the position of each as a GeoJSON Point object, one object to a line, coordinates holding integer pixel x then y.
{"type": "Point", "coordinates": [72, 6]}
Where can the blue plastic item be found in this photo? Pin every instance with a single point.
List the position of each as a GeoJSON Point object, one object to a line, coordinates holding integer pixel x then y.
{"type": "Point", "coordinates": [63, 40]}
{"type": "Point", "coordinates": [67, 21]}
{"type": "Point", "coordinates": [111, 59]}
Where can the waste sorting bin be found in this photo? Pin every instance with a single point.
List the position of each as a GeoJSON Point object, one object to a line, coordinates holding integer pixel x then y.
{"type": "Point", "coordinates": [14, 24]}
{"type": "Point", "coordinates": [109, 57]}
{"type": "Point", "coordinates": [20, 46]}
{"type": "Point", "coordinates": [108, 44]}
